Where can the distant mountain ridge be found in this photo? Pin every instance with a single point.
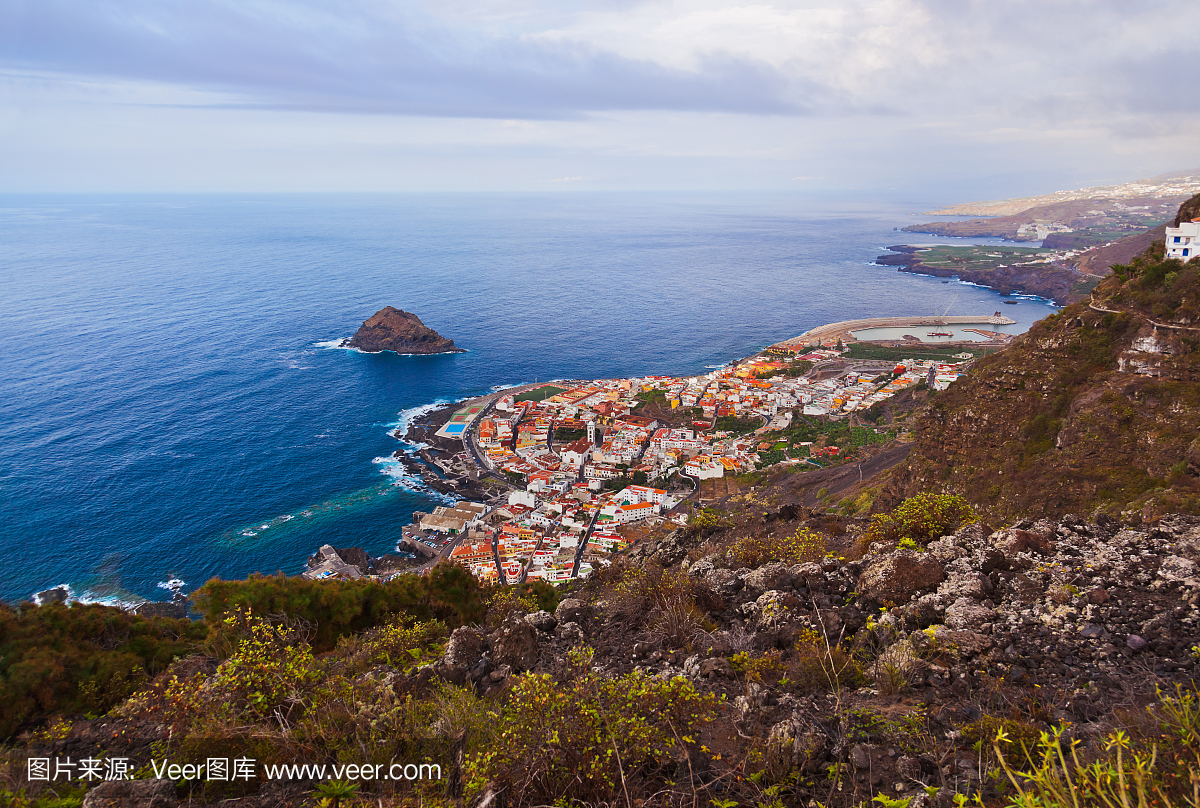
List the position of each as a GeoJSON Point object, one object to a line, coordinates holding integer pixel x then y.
{"type": "Point", "coordinates": [1178, 183]}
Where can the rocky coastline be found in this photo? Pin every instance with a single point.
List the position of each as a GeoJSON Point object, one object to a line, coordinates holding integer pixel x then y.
{"type": "Point", "coordinates": [1052, 281]}
{"type": "Point", "coordinates": [430, 460]}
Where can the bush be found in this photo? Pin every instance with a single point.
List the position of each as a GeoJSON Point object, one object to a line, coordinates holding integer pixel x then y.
{"type": "Point", "coordinates": [337, 608]}
{"type": "Point", "coordinates": [637, 594]}
{"type": "Point", "coordinates": [815, 666]}
{"type": "Point", "coordinates": [71, 659]}
{"type": "Point", "coordinates": [1055, 772]}
{"type": "Point", "coordinates": [801, 547]}
{"type": "Point", "coordinates": [269, 668]}
{"type": "Point", "coordinates": [400, 644]}
{"type": "Point", "coordinates": [922, 519]}
{"type": "Point", "coordinates": [587, 740]}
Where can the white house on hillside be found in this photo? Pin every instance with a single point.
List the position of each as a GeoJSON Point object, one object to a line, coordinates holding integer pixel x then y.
{"type": "Point", "coordinates": [1183, 242]}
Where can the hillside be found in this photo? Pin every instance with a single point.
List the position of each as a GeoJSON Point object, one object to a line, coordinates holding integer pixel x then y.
{"type": "Point", "coordinates": [1099, 260]}
{"type": "Point", "coordinates": [1002, 611]}
{"type": "Point", "coordinates": [1096, 407]}
{"type": "Point", "coordinates": [1084, 222]}
{"type": "Point", "coordinates": [1174, 184]}
{"type": "Point", "coordinates": [764, 656]}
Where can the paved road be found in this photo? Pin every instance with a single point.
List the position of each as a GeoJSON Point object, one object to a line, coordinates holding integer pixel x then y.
{"type": "Point", "coordinates": [587, 534]}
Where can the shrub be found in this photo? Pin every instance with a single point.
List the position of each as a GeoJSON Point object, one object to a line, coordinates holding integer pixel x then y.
{"type": "Point", "coordinates": [802, 546]}
{"type": "Point", "coordinates": [78, 658]}
{"type": "Point", "coordinates": [635, 594]}
{"type": "Point", "coordinates": [399, 643]}
{"type": "Point", "coordinates": [337, 608]}
{"type": "Point", "coordinates": [765, 668]}
{"type": "Point", "coordinates": [678, 624]}
{"type": "Point", "coordinates": [1163, 770]}
{"type": "Point", "coordinates": [922, 519]}
{"type": "Point", "coordinates": [815, 666]}
{"type": "Point", "coordinates": [506, 601]}
{"type": "Point", "coordinates": [268, 669]}
{"type": "Point", "coordinates": [587, 740]}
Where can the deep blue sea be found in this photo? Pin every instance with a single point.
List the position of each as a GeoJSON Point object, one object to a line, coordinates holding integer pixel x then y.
{"type": "Point", "coordinates": [167, 407]}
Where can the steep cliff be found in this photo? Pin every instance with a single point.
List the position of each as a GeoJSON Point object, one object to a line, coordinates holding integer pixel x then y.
{"type": "Point", "coordinates": [391, 329]}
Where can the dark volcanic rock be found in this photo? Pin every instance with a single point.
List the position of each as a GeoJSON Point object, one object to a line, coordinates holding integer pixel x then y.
{"type": "Point", "coordinates": [391, 329]}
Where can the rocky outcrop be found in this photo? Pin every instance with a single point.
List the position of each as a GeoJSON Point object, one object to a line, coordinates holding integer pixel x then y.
{"type": "Point", "coordinates": [391, 329]}
{"type": "Point", "coordinates": [899, 576]}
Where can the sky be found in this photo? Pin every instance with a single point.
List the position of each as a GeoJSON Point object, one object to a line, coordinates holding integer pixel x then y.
{"type": "Point", "coordinates": [980, 98]}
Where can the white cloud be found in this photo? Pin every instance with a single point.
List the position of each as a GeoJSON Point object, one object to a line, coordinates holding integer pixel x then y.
{"type": "Point", "coordinates": [399, 94]}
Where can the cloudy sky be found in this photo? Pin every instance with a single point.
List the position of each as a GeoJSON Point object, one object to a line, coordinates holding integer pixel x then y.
{"type": "Point", "coordinates": [982, 97]}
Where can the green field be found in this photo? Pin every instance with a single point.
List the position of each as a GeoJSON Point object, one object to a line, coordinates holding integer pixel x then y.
{"type": "Point", "coordinates": [540, 394]}
{"type": "Point", "coordinates": [978, 257]}
{"type": "Point", "coordinates": [868, 350]}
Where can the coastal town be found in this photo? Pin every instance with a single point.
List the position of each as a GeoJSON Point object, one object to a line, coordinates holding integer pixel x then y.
{"type": "Point", "coordinates": [578, 471]}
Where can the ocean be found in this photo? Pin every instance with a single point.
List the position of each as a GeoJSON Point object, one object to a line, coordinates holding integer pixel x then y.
{"type": "Point", "coordinates": [173, 406]}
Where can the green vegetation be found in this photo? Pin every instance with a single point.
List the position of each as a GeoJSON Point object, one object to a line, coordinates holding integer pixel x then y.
{"type": "Point", "coordinates": [655, 396]}
{"type": "Point", "coordinates": [836, 433]}
{"type": "Point", "coordinates": [79, 658]}
{"type": "Point", "coordinates": [1167, 290]}
{"type": "Point", "coordinates": [562, 435]}
{"type": "Point", "coordinates": [1131, 768]}
{"type": "Point", "coordinates": [976, 258]}
{"type": "Point", "coordinates": [792, 370]}
{"type": "Point", "coordinates": [540, 394]}
{"type": "Point", "coordinates": [800, 547]}
{"type": "Point", "coordinates": [920, 519]}
{"type": "Point", "coordinates": [335, 609]}
{"type": "Point", "coordinates": [591, 740]}
{"type": "Point", "coordinates": [737, 426]}
{"type": "Point", "coordinates": [869, 350]}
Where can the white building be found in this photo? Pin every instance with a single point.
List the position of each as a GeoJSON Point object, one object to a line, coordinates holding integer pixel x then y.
{"type": "Point", "coordinates": [525, 498]}
{"type": "Point", "coordinates": [620, 514]}
{"type": "Point", "coordinates": [641, 493]}
{"type": "Point", "coordinates": [1183, 242]}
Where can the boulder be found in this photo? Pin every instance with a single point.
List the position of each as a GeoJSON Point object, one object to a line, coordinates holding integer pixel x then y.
{"type": "Point", "coordinates": [465, 646]}
{"type": "Point", "coordinates": [768, 576]}
{"type": "Point", "coordinates": [775, 607]}
{"type": "Point", "coordinates": [515, 644]}
{"type": "Point", "coordinates": [569, 633]}
{"type": "Point", "coordinates": [899, 575]}
{"type": "Point", "coordinates": [572, 610]}
{"type": "Point", "coordinates": [702, 567]}
{"type": "Point", "coordinates": [1012, 543]}
{"type": "Point", "coordinates": [717, 667]}
{"type": "Point", "coordinates": [542, 621]}
{"type": "Point", "coordinates": [963, 642]}
{"type": "Point", "coordinates": [925, 611]}
{"type": "Point", "coordinates": [808, 575]}
{"type": "Point", "coordinates": [965, 585]}
{"type": "Point", "coordinates": [723, 582]}
{"type": "Point", "coordinates": [965, 613]}
{"type": "Point", "coordinates": [796, 745]}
